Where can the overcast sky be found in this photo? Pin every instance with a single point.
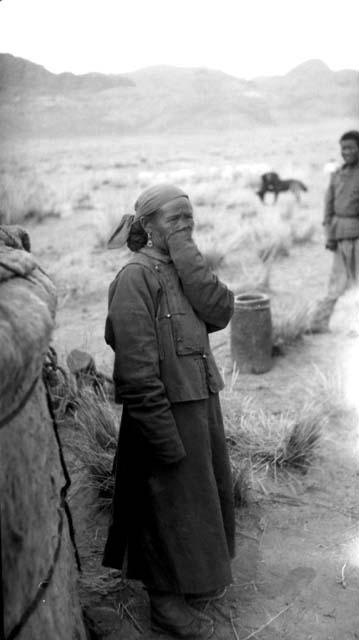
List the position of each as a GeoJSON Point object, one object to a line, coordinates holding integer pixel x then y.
{"type": "Point", "coordinates": [243, 38]}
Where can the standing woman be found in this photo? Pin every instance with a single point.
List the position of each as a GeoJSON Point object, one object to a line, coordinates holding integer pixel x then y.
{"type": "Point", "coordinates": [172, 524]}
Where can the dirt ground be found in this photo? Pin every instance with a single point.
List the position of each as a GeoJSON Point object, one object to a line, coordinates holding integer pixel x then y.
{"type": "Point", "coordinates": [296, 573]}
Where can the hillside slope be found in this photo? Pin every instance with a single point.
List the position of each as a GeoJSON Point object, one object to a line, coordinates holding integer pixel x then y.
{"type": "Point", "coordinates": [35, 101]}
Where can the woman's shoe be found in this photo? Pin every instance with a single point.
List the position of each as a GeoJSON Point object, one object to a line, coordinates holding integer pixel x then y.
{"type": "Point", "coordinates": [198, 629]}
{"type": "Point", "coordinates": [211, 596]}
{"type": "Point", "coordinates": [171, 614]}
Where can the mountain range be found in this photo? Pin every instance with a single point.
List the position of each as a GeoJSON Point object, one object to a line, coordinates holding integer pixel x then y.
{"type": "Point", "coordinates": [34, 101]}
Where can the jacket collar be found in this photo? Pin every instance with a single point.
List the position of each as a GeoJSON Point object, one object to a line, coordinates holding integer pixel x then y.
{"type": "Point", "coordinates": [154, 254]}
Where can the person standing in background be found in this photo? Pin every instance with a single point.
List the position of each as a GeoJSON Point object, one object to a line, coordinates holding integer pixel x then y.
{"type": "Point", "coordinates": [341, 224]}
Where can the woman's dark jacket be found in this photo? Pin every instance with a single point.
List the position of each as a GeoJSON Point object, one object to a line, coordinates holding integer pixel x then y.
{"type": "Point", "coordinates": [161, 309]}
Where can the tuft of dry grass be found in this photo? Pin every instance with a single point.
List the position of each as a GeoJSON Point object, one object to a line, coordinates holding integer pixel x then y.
{"type": "Point", "coordinates": [271, 239]}
{"type": "Point", "coordinates": [257, 441]}
{"type": "Point", "coordinates": [329, 391]}
{"type": "Point", "coordinates": [212, 251]}
{"type": "Point", "coordinates": [74, 275]}
{"type": "Point", "coordinates": [242, 481]}
{"type": "Point", "coordinates": [265, 236]}
{"type": "Point", "coordinates": [105, 222]}
{"type": "Point", "coordinates": [92, 441]}
{"type": "Point", "coordinates": [109, 209]}
{"type": "Point", "coordinates": [214, 259]}
{"type": "Point", "coordinates": [262, 441]}
{"type": "Point", "coordinates": [82, 275]}
{"type": "Point", "coordinates": [291, 327]}
{"type": "Point", "coordinates": [252, 279]}
{"type": "Point", "coordinates": [25, 197]}
{"type": "Point", "coordinates": [272, 249]}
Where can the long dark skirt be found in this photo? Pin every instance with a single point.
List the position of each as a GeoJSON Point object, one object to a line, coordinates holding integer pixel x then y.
{"type": "Point", "coordinates": [174, 524]}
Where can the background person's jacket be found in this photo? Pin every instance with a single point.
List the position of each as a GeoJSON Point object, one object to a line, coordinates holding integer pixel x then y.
{"type": "Point", "coordinates": [161, 309]}
{"type": "Point", "coordinates": [341, 213]}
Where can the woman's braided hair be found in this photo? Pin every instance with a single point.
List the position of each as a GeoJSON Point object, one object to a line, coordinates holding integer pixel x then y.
{"type": "Point", "coordinates": [137, 237]}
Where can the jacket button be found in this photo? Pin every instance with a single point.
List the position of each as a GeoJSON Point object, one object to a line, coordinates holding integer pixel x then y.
{"type": "Point", "coordinates": [157, 267]}
{"type": "Point", "coordinates": [204, 356]}
{"type": "Point", "coordinates": [168, 315]}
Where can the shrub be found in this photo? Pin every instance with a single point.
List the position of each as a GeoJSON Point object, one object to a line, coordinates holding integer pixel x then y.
{"type": "Point", "coordinates": [266, 442]}
{"type": "Point", "coordinates": [24, 197]}
{"type": "Point", "coordinates": [105, 222]}
{"type": "Point", "coordinates": [76, 275]}
{"type": "Point", "coordinates": [289, 328]}
{"type": "Point", "coordinates": [332, 391]}
{"type": "Point", "coordinates": [257, 441]}
{"type": "Point", "coordinates": [255, 278]}
{"type": "Point", "coordinates": [92, 439]}
{"type": "Point", "coordinates": [273, 248]}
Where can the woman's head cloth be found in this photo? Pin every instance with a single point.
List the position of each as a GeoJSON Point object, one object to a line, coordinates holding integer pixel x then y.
{"type": "Point", "coordinates": [148, 202]}
{"type": "Point", "coordinates": [155, 197]}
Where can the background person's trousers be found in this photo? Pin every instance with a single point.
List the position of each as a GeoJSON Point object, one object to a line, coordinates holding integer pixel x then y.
{"type": "Point", "coordinates": [344, 274]}
{"type": "Point", "coordinates": [345, 268]}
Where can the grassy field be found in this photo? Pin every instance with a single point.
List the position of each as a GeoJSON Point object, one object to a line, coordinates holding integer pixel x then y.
{"type": "Point", "coordinates": [70, 194]}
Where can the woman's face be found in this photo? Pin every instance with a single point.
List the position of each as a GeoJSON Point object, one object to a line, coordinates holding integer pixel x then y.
{"type": "Point", "coordinates": [174, 215]}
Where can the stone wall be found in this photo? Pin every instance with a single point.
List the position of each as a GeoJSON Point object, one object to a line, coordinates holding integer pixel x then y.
{"type": "Point", "coordinates": [38, 562]}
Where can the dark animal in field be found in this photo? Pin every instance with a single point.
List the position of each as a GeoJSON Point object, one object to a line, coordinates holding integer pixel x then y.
{"type": "Point", "coordinates": [272, 183]}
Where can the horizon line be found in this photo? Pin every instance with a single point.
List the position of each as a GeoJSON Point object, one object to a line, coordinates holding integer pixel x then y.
{"type": "Point", "coordinates": [173, 66]}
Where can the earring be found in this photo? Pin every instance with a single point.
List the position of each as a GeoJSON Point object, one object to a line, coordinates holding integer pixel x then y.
{"type": "Point", "coordinates": [149, 239]}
